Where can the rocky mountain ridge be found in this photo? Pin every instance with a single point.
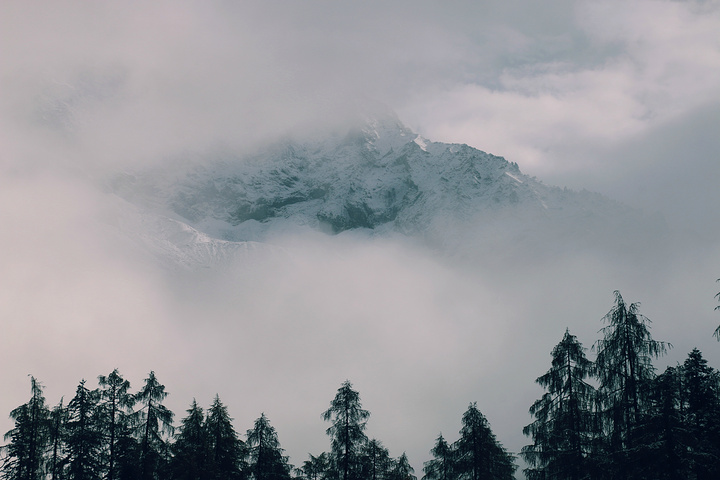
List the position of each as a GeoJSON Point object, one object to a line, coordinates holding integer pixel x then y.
{"type": "Point", "coordinates": [378, 178]}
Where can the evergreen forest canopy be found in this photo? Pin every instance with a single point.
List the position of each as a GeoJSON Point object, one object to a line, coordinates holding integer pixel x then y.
{"type": "Point", "coordinates": [611, 418]}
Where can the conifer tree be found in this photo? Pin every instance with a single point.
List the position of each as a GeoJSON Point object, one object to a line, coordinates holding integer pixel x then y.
{"type": "Point", "coordinates": [624, 369]}
{"type": "Point", "coordinates": [153, 422]}
{"type": "Point", "coordinates": [315, 468]}
{"type": "Point", "coordinates": [25, 452]}
{"type": "Point", "coordinates": [57, 456]}
{"type": "Point", "coordinates": [347, 431]}
{"type": "Point", "coordinates": [479, 455]}
{"type": "Point", "coordinates": [663, 436]}
{"type": "Point", "coordinates": [564, 424]}
{"type": "Point", "coordinates": [190, 450]}
{"type": "Point", "coordinates": [116, 403]}
{"type": "Point", "coordinates": [701, 385]}
{"type": "Point", "coordinates": [266, 459]}
{"type": "Point", "coordinates": [376, 464]}
{"type": "Point", "coordinates": [128, 451]}
{"type": "Point", "coordinates": [442, 465]}
{"type": "Point", "coordinates": [83, 436]}
{"type": "Point", "coordinates": [401, 469]}
{"type": "Point", "coordinates": [226, 452]}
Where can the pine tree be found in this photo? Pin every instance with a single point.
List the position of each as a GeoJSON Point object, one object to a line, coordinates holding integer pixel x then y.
{"type": "Point", "coordinates": [479, 455]}
{"type": "Point", "coordinates": [315, 468]}
{"type": "Point", "coordinates": [348, 423]}
{"type": "Point", "coordinates": [701, 385]}
{"type": "Point", "coordinates": [116, 403]}
{"type": "Point", "coordinates": [401, 469]}
{"type": "Point", "coordinates": [190, 450]}
{"type": "Point", "coordinates": [376, 461]}
{"type": "Point", "coordinates": [663, 437]}
{"type": "Point", "coordinates": [226, 455]}
{"type": "Point", "coordinates": [25, 453]}
{"type": "Point", "coordinates": [56, 432]}
{"type": "Point", "coordinates": [442, 465]}
{"type": "Point", "coordinates": [564, 424]}
{"type": "Point", "coordinates": [128, 465]}
{"type": "Point", "coordinates": [153, 421]}
{"type": "Point", "coordinates": [266, 459]}
{"type": "Point", "coordinates": [624, 369]}
{"type": "Point", "coordinates": [83, 435]}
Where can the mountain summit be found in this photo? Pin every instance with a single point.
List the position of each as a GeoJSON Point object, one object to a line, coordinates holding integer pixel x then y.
{"type": "Point", "coordinates": [379, 178]}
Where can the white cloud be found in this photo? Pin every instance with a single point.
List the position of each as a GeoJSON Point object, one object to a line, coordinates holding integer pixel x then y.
{"type": "Point", "coordinates": [592, 94]}
{"type": "Point", "coordinates": [655, 61]}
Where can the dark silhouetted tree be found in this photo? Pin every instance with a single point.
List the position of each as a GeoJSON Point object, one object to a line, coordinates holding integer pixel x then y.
{"type": "Point", "coordinates": [190, 449]}
{"type": "Point", "coordinates": [376, 461]}
{"type": "Point", "coordinates": [624, 369]}
{"type": "Point", "coordinates": [701, 385]}
{"type": "Point", "coordinates": [266, 457]}
{"type": "Point", "coordinates": [57, 460]}
{"type": "Point", "coordinates": [442, 465]}
{"type": "Point", "coordinates": [401, 469]}
{"type": "Point", "coordinates": [116, 404]}
{"type": "Point", "coordinates": [315, 468]}
{"type": "Point", "coordinates": [226, 452]}
{"type": "Point", "coordinates": [479, 455]}
{"type": "Point", "coordinates": [564, 425]}
{"type": "Point", "coordinates": [347, 431]}
{"type": "Point", "coordinates": [24, 454]}
{"type": "Point", "coordinates": [662, 437]}
{"type": "Point", "coordinates": [84, 440]}
{"type": "Point", "coordinates": [153, 422]}
{"type": "Point", "coordinates": [128, 452]}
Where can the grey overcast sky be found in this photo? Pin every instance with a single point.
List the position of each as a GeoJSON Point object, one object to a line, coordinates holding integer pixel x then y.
{"type": "Point", "coordinates": [618, 97]}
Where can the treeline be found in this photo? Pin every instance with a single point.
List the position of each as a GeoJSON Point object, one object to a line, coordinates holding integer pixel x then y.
{"type": "Point", "coordinates": [111, 433]}
{"type": "Point", "coordinates": [611, 418]}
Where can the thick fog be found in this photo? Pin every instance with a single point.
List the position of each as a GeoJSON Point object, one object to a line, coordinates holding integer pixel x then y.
{"type": "Point", "coordinates": [618, 98]}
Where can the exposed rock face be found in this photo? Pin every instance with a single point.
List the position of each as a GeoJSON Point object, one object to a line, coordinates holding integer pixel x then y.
{"type": "Point", "coordinates": [379, 178]}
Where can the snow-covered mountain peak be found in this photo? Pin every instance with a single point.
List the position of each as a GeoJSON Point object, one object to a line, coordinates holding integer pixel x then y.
{"type": "Point", "coordinates": [385, 133]}
{"type": "Point", "coordinates": [379, 177]}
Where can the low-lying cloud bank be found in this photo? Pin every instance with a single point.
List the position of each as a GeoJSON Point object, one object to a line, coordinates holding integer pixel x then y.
{"type": "Point", "coordinates": [421, 332]}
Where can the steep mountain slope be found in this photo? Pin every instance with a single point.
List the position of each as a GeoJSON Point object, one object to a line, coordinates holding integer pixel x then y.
{"type": "Point", "coordinates": [379, 178]}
